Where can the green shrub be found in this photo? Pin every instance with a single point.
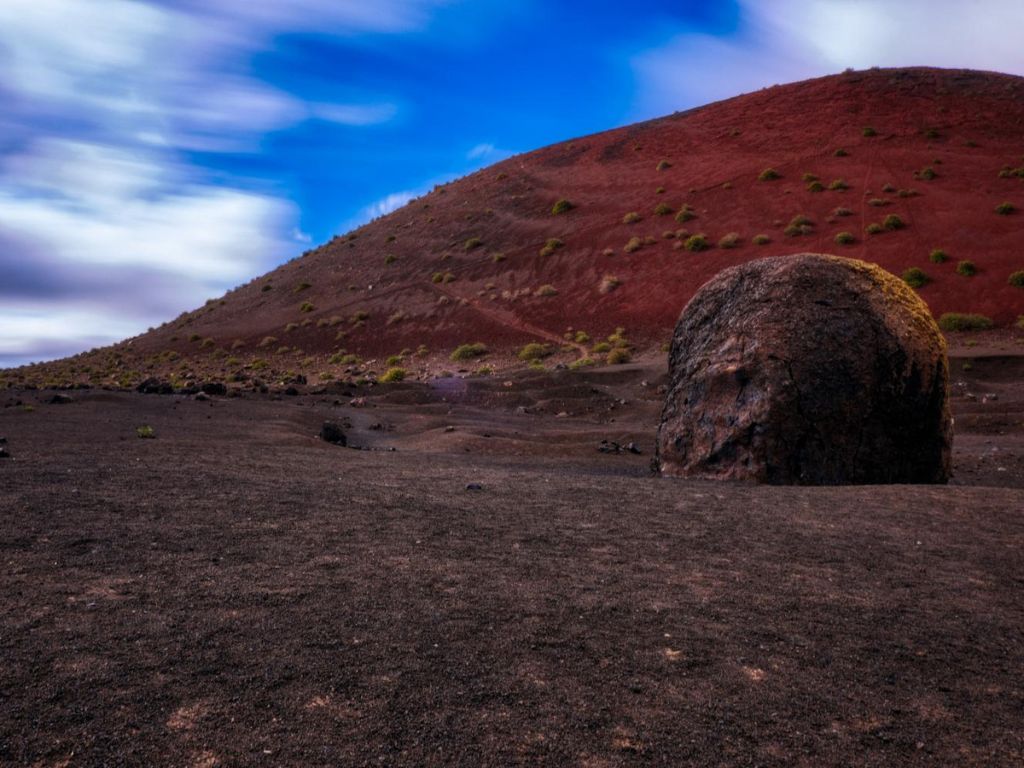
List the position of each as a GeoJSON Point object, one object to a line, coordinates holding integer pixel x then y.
{"type": "Point", "coordinates": [868, 132]}
{"type": "Point", "coordinates": [266, 287]}
{"type": "Point", "coordinates": [926, 173]}
{"type": "Point", "coordinates": [760, 239]}
{"type": "Point", "coordinates": [845, 238]}
{"type": "Point", "coordinates": [808, 178]}
{"type": "Point", "coordinates": [877, 202]}
{"type": "Point", "coordinates": [497, 257]}
{"type": "Point", "coordinates": [686, 213]}
{"type": "Point", "coordinates": [468, 351]}
{"type": "Point", "coordinates": [888, 189]}
{"type": "Point", "coordinates": [893, 222]}
{"type": "Point", "coordinates": [799, 225]}
{"type": "Point", "coordinates": [393, 360]}
{"type": "Point", "coordinates": [730, 240]}
{"type": "Point", "coordinates": [966, 268]}
{"type": "Point", "coordinates": [146, 431]}
{"type": "Point", "coordinates": [608, 284]}
{"type": "Point", "coordinates": [583, 362]}
{"type": "Point", "coordinates": [915, 277]}
{"type": "Point", "coordinates": [815, 186]}
{"type": "Point", "coordinates": [841, 153]}
{"type": "Point", "coordinates": [306, 306]}
{"type": "Point", "coordinates": [302, 286]}
{"type": "Point", "coordinates": [545, 291]}
{"type": "Point", "coordinates": [472, 243]}
{"type": "Point", "coordinates": [907, 193]}
{"type": "Point", "coordinates": [581, 337]}
{"type": "Point", "coordinates": [959, 321]}
{"type": "Point", "coordinates": [664, 165]}
{"type": "Point", "coordinates": [937, 256]}
{"type": "Point", "coordinates": [601, 347]}
{"type": "Point", "coordinates": [393, 374]}
{"type": "Point", "coordinates": [534, 351]}
{"type": "Point", "coordinates": [1005, 209]}
{"type": "Point", "coordinates": [769, 174]}
{"type": "Point", "coordinates": [874, 228]}
{"type": "Point", "coordinates": [1016, 279]}
{"type": "Point", "coordinates": [662, 210]}
{"type": "Point", "coordinates": [838, 185]}
{"type": "Point", "coordinates": [634, 244]}
{"type": "Point", "coordinates": [618, 356]}
{"type": "Point", "coordinates": [841, 212]}
{"type": "Point", "coordinates": [631, 218]}
{"type": "Point", "coordinates": [552, 245]}
{"type": "Point", "coordinates": [696, 243]}
{"type": "Point", "coordinates": [561, 206]}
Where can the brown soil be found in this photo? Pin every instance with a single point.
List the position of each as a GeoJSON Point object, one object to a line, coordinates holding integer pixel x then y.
{"type": "Point", "coordinates": [238, 592]}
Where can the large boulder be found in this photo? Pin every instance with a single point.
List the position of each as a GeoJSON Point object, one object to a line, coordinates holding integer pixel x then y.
{"type": "Point", "coordinates": [807, 369]}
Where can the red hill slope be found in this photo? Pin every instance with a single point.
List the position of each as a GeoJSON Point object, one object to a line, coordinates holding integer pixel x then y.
{"type": "Point", "coordinates": [468, 262]}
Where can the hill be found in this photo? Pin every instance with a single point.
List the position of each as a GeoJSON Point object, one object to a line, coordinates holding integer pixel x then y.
{"type": "Point", "coordinates": [926, 157]}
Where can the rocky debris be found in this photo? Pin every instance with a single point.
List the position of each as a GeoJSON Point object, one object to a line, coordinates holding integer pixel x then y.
{"type": "Point", "coordinates": [333, 433]}
{"type": "Point", "coordinates": [807, 369]}
{"type": "Point", "coordinates": [4, 453]}
{"type": "Point", "coordinates": [474, 487]}
{"type": "Point", "coordinates": [59, 399]}
{"type": "Point", "coordinates": [358, 402]}
{"type": "Point", "coordinates": [989, 398]}
{"type": "Point", "coordinates": [214, 388]}
{"type": "Point", "coordinates": [610, 446]}
{"type": "Point", "coordinates": [292, 392]}
{"type": "Point", "coordinates": [154, 386]}
{"type": "Point", "coordinates": [449, 428]}
{"type": "Point", "coordinates": [3, 441]}
{"type": "Point", "coordinates": [200, 397]}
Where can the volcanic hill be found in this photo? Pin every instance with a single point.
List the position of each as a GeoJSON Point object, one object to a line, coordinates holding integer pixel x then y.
{"type": "Point", "coordinates": [566, 244]}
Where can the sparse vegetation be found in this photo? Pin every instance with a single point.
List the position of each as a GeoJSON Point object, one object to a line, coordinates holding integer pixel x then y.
{"type": "Point", "coordinates": [838, 185]}
{"type": "Point", "coordinates": [877, 202]}
{"type": "Point", "coordinates": [618, 356]}
{"type": "Point", "coordinates": [815, 186]}
{"type": "Point", "coordinates": [534, 351]}
{"type": "Point", "coordinates": [552, 245]}
{"type": "Point", "coordinates": [799, 225]}
{"type": "Point", "coordinates": [1016, 279]}
{"type": "Point", "coordinates": [869, 132]}
{"type": "Point", "coordinates": [545, 291]}
{"type": "Point", "coordinates": [662, 210]}
{"type": "Point", "coordinates": [731, 240]}
{"type": "Point", "coordinates": [769, 174]}
{"type": "Point", "coordinates": [696, 243]}
{"type": "Point", "coordinates": [609, 283]}
{"type": "Point", "coordinates": [468, 351]}
{"type": "Point", "coordinates": [845, 238]}
{"type": "Point", "coordinates": [685, 214]}
{"type": "Point", "coordinates": [390, 259]}
{"type": "Point", "coordinates": [634, 244]}
{"type": "Point", "coordinates": [808, 177]}
{"type": "Point", "coordinates": [664, 165]}
{"type": "Point", "coordinates": [760, 239]}
{"type": "Point", "coordinates": [306, 306]}
{"type": "Point", "coordinates": [1005, 209]}
{"type": "Point", "coordinates": [561, 206]}
{"type": "Point", "coordinates": [472, 244]}
{"type": "Point", "coordinates": [146, 432]}
{"type": "Point", "coordinates": [915, 277]}
{"type": "Point", "coordinates": [842, 212]}
{"type": "Point", "coordinates": [393, 375]}
{"type": "Point", "coordinates": [874, 228]}
{"type": "Point", "coordinates": [631, 218]}
{"type": "Point", "coordinates": [937, 256]}
{"type": "Point", "coordinates": [959, 321]}
{"type": "Point", "coordinates": [497, 257]}
{"type": "Point", "coordinates": [893, 222]}
{"type": "Point", "coordinates": [302, 287]}
{"type": "Point", "coordinates": [841, 153]}
{"type": "Point", "coordinates": [927, 173]}
{"type": "Point", "coordinates": [966, 268]}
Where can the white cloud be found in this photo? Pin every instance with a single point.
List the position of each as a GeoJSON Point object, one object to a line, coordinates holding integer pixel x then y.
{"type": "Point", "coordinates": [488, 153]}
{"type": "Point", "coordinates": [780, 41]}
{"type": "Point", "coordinates": [386, 205]}
{"type": "Point", "coordinates": [354, 114]}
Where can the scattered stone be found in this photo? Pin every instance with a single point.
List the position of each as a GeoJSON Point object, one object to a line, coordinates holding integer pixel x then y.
{"type": "Point", "coordinates": [200, 397]}
{"type": "Point", "coordinates": [3, 441]}
{"type": "Point", "coordinates": [610, 446]}
{"type": "Point", "coordinates": [561, 414]}
{"type": "Point", "coordinates": [291, 392]}
{"type": "Point", "coordinates": [154, 386]}
{"type": "Point", "coordinates": [449, 428]}
{"type": "Point", "coordinates": [474, 487]}
{"type": "Point", "coordinates": [4, 453]}
{"type": "Point", "coordinates": [216, 388]}
{"type": "Point", "coordinates": [632, 448]}
{"type": "Point", "coordinates": [807, 369]}
{"type": "Point", "coordinates": [358, 402]}
{"type": "Point", "coordinates": [990, 398]}
{"type": "Point", "coordinates": [333, 433]}
{"type": "Point", "coordinates": [59, 399]}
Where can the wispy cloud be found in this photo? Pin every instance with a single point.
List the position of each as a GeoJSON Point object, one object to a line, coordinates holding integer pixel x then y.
{"type": "Point", "coordinates": [488, 153]}
{"type": "Point", "coordinates": [103, 101]}
{"type": "Point", "coordinates": [778, 41]}
{"type": "Point", "coordinates": [386, 205]}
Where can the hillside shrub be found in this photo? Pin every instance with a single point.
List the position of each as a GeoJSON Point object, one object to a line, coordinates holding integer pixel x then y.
{"type": "Point", "coordinates": [468, 351]}
{"type": "Point", "coordinates": [966, 268]}
{"type": "Point", "coordinates": [915, 277]}
{"type": "Point", "coordinates": [634, 244]}
{"type": "Point", "coordinates": [608, 284]}
{"type": "Point", "coordinates": [1016, 279]}
{"type": "Point", "coordinates": [472, 243]}
{"type": "Point", "coordinates": [631, 218]}
{"type": "Point", "coordinates": [545, 291]}
{"type": "Point", "coordinates": [874, 228]}
{"type": "Point", "coordinates": [841, 153]}
{"type": "Point", "coordinates": [662, 210]}
{"type": "Point", "coordinates": [845, 238]}
{"type": "Point", "coordinates": [960, 321]}
{"type": "Point", "coordinates": [769, 174]}
{"type": "Point", "coordinates": [561, 206]}
{"type": "Point", "coordinates": [893, 222]}
{"type": "Point", "coordinates": [618, 356]}
{"type": "Point", "coordinates": [664, 165]}
{"type": "Point", "coordinates": [760, 239]}
{"type": "Point", "coordinates": [937, 256]}
{"type": "Point", "coordinates": [1005, 209]}
{"type": "Point", "coordinates": [306, 306]}
{"type": "Point", "coordinates": [686, 213]}
{"type": "Point", "coordinates": [838, 185]}
{"type": "Point", "coordinates": [815, 186]}
{"type": "Point", "coordinates": [868, 132]}
{"type": "Point", "coordinates": [534, 351]}
{"type": "Point", "coordinates": [731, 240]}
{"type": "Point", "coordinates": [393, 375]}
{"type": "Point", "coordinates": [552, 245]}
{"type": "Point", "coordinates": [696, 243]}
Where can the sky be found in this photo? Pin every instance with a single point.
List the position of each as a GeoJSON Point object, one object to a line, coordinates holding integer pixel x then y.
{"type": "Point", "coordinates": [156, 153]}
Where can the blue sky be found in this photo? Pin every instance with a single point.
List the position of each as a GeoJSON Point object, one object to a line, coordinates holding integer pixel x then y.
{"type": "Point", "coordinates": [154, 153]}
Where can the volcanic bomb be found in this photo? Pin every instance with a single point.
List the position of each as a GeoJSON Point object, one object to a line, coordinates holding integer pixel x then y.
{"type": "Point", "coordinates": [807, 369]}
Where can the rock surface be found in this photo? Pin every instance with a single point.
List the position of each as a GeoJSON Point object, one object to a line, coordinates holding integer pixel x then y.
{"type": "Point", "coordinates": [807, 369]}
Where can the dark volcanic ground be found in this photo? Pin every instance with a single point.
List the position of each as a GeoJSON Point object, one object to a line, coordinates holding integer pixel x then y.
{"type": "Point", "coordinates": [237, 592]}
